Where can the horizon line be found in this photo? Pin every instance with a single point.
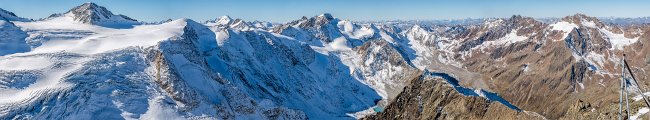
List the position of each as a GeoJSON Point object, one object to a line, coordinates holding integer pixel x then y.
{"type": "Point", "coordinates": [207, 16]}
{"type": "Point", "coordinates": [424, 20]}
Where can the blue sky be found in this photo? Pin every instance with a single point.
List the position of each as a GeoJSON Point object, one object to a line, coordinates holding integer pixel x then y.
{"type": "Point", "coordinates": [360, 10]}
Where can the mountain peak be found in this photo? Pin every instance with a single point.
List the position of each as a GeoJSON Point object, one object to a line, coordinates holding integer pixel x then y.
{"type": "Point", "coordinates": [584, 20]}
{"type": "Point", "coordinates": [576, 18]}
{"type": "Point", "coordinates": [223, 20]}
{"type": "Point", "coordinates": [517, 17]}
{"type": "Point", "coordinates": [90, 4]}
{"type": "Point", "coordinates": [225, 17]}
{"type": "Point", "coordinates": [91, 8]}
{"type": "Point", "coordinates": [580, 15]}
{"type": "Point", "coordinates": [318, 20]}
{"type": "Point", "coordinates": [522, 20]}
{"type": "Point", "coordinates": [228, 22]}
{"type": "Point", "coordinates": [327, 16]}
{"type": "Point", "coordinates": [91, 13]}
{"type": "Point", "coordinates": [5, 13]}
{"type": "Point", "coordinates": [324, 18]}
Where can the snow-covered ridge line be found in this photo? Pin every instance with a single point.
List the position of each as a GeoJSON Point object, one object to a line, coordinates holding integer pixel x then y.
{"type": "Point", "coordinates": [10, 16]}
{"type": "Point", "coordinates": [104, 39]}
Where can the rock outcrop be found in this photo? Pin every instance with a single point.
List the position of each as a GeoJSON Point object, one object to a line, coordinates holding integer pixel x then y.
{"type": "Point", "coordinates": [432, 98]}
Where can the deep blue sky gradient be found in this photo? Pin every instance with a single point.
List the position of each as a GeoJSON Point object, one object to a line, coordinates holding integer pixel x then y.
{"type": "Point", "coordinates": [359, 10]}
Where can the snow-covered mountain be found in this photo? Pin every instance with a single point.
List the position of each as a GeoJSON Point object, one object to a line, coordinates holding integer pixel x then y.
{"type": "Point", "coordinates": [89, 63]}
{"type": "Point", "coordinates": [10, 16]}
{"type": "Point", "coordinates": [227, 22]}
{"type": "Point", "coordinates": [91, 13]}
{"type": "Point", "coordinates": [176, 69]}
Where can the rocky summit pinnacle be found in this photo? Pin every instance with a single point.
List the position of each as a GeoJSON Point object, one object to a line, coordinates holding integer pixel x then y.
{"type": "Point", "coordinates": [327, 16]}
{"type": "Point", "coordinates": [91, 13]}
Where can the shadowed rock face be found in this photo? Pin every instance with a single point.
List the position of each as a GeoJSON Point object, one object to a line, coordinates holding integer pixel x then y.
{"type": "Point", "coordinates": [429, 98]}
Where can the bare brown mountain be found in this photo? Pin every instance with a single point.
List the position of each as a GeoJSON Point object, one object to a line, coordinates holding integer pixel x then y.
{"type": "Point", "coordinates": [430, 97]}
{"type": "Point", "coordinates": [549, 68]}
{"type": "Point", "coordinates": [561, 70]}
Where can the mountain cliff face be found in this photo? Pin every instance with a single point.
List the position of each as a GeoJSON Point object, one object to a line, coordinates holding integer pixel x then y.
{"type": "Point", "coordinates": [92, 64]}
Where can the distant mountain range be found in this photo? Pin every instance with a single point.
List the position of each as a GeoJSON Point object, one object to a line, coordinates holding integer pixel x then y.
{"type": "Point", "coordinates": [90, 63]}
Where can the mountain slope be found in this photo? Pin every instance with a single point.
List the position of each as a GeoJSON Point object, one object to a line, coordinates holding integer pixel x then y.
{"type": "Point", "coordinates": [10, 16]}
{"type": "Point", "coordinates": [12, 39]}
